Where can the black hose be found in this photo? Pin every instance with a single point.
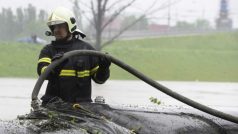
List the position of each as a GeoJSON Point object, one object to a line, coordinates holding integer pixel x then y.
{"type": "Point", "coordinates": [138, 75]}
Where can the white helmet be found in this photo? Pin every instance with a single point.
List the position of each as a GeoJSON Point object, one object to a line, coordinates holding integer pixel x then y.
{"type": "Point", "coordinates": [63, 15]}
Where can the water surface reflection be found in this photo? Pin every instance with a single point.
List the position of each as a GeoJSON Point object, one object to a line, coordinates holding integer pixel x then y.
{"type": "Point", "coordinates": [15, 94]}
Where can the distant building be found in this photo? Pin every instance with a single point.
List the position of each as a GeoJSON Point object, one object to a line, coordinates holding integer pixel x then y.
{"type": "Point", "coordinates": [224, 22]}
{"type": "Point", "coordinates": [158, 27]}
{"type": "Point", "coordinates": [115, 25]}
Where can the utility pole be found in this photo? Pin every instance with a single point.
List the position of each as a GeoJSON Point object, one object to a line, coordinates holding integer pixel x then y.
{"type": "Point", "coordinates": [169, 14]}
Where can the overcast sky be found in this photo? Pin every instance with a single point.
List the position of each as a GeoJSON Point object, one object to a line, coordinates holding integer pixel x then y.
{"type": "Point", "coordinates": [188, 10]}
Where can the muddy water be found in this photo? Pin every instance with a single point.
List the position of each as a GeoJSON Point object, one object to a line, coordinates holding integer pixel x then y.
{"type": "Point", "coordinates": [15, 94]}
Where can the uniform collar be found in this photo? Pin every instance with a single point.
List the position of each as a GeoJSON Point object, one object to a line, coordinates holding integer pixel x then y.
{"type": "Point", "coordinates": [63, 44]}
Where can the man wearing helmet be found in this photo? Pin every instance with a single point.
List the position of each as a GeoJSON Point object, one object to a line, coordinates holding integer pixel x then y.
{"type": "Point", "coordinates": [71, 81]}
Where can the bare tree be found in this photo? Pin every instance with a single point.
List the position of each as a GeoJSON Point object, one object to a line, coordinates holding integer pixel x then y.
{"type": "Point", "coordinates": [104, 12]}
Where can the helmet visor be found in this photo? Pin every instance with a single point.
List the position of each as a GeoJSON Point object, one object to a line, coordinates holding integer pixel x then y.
{"type": "Point", "coordinates": [56, 22]}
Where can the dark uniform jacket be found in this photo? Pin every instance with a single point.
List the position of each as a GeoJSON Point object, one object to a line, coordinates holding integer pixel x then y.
{"type": "Point", "coordinates": [71, 81]}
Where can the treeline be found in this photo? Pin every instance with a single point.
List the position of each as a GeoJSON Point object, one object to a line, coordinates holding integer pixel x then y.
{"type": "Point", "coordinates": [22, 22]}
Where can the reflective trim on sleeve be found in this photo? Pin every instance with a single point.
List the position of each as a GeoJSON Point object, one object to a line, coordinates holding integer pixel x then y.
{"type": "Point", "coordinates": [94, 70]}
{"type": "Point", "coordinates": [43, 69]}
{"type": "Point", "coordinates": [79, 74]}
{"type": "Point", "coordinates": [45, 59]}
{"type": "Point", "coordinates": [84, 73]}
{"type": "Point", "coordinates": [67, 73]}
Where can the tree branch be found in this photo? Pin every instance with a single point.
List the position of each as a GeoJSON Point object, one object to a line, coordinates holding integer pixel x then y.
{"type": "Point", "coordinates": [94, 14]}
{"type": "Point", "coordinates": [117, 13]}
{"type": "Point", "coordinates": [99, 8]}
{"type": "Point", "coordinates": [137, 20]}
{"type": "Point", "coordinates": [113, 4]}
{"type": "Point", "coordinates": [104, 6]}
{"type": "Point", "coordinates": [84, 4]}
{"type": "Point", "coordinates": [77, 9]}
{"type": "Point", "coordinates": [165, 5]}
{"type": "Point", "coordinates": [121, 31]}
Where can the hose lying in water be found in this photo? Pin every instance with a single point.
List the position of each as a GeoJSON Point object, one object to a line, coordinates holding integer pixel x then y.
{"type": "Point", "coordinates": [138, 75]}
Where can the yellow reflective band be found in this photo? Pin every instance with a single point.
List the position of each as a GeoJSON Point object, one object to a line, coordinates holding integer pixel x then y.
{"type": "Point", "coordinates": [94, 70]}
{"type": "Point", "coordinates": [67, 73]}
{"type": "Point", "coordinates": [45, 59]}
{"type": "Point", "coordinates": [80, 74]}
{"type": "Point", "coordinates": [83, 73]}
{"type": "Point", "coordinates": [43, 69]}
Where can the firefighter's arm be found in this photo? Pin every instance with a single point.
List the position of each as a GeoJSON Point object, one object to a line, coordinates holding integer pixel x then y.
{"type": "Point", "coordinates": [102, 72]}
{"type": "Point", "coordinates": [44, 60]}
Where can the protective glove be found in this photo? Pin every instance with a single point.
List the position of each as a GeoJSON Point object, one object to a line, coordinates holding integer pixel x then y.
{"type": "Point", "coordinates": [58, 68]}
{"type": "Point", "coordinates": [104, 62]}
{"type": "Point", "coordinates": [103, 71]}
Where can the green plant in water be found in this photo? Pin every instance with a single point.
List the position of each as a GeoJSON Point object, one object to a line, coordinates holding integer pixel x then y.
{"type": "Point", "coordinates": [135, 130]}
{"type": "Point", "coordinates": [51, 114]}
{"type": "Point", "coordinates": [73, 120]}
{"type": "Point", "coordinates": [155, 100]}
{"type": "Point", "coordinates": [96, 132]}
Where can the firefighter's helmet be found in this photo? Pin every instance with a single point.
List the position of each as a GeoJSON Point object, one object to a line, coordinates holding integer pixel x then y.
{"type": "Point", "coordinates": [63, 15]}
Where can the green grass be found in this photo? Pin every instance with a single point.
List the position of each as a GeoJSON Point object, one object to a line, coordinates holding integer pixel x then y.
{"type": "Point", "coordinates": [18, 60]}
{"type": "Point", "coordinates": [204, 58]}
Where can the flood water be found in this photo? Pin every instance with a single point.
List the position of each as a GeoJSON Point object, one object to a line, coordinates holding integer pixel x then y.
{"type": "Point", "coordinates": [15, 94]}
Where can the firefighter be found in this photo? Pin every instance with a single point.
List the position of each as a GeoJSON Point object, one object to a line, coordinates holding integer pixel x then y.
{"type": "Point", "coordinates": [71, 80]}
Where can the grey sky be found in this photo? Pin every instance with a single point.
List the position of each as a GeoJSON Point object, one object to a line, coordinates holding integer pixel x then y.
{"type": "Point", "coordinates": [188, 10]}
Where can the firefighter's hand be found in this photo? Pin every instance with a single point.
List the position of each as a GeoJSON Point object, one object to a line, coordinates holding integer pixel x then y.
{"type": "Point", "coordinates": [57, 56]}
{"type": "Point", "coordinates": [104, 62]}
{"type": "Point", "coordinates": [59, 67]}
